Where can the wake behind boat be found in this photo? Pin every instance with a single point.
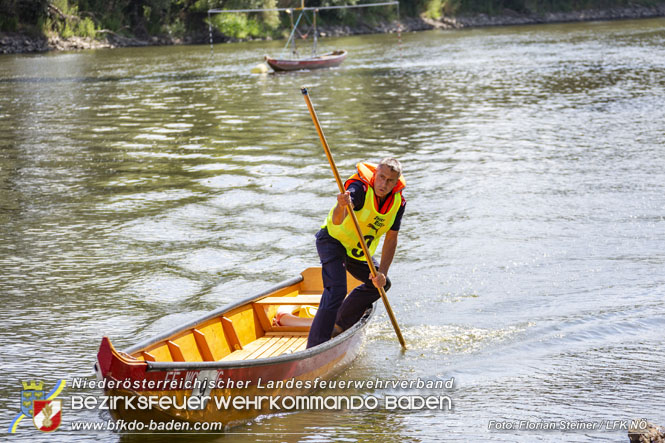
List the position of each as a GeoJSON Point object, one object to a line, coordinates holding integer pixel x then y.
{"type": "Point", "coordinates": [235, 351]}
{"type": "Point", "coordinates": [329, 60]}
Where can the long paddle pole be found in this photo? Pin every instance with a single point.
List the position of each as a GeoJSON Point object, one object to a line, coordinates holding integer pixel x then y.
{"type": "Point", "coordinates": [350, 211]}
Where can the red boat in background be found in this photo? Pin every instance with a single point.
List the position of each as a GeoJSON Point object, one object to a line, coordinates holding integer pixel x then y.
{"type": "Point", "coordinates": [329, 60]}
{"type": "Point", "coordinates": [294, 62]}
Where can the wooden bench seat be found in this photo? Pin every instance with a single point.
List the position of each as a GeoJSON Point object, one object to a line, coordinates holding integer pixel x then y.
{"type": "Point", "coordinates": [270, 345]}
{"type": "Point", "coordinates": [300, 299]}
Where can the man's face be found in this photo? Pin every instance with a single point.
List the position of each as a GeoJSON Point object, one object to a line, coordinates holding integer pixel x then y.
{"type": "Point", "coordinates": [385, 180]}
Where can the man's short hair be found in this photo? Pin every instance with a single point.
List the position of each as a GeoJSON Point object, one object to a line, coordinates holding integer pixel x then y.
{"type": "Point", "coordinates": [393, 164]}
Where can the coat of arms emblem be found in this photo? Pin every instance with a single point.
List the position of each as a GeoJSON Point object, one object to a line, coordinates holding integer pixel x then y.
{"type": "Point", "coordinates": [46, 412]}
{"type": "Point", "coordinates": [31, 391]}
{"type": "Point", "coordinates": [48, 415]}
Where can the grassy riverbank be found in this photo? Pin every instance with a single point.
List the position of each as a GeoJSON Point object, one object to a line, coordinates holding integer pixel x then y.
{"type": "Point", "coordinates": [43, 25]}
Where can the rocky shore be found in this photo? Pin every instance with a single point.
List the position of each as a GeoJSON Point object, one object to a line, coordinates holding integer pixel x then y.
{"type": "Point", "coordinates": [647, 434]}
{"type": "Point", "coordinates": [19, 43]}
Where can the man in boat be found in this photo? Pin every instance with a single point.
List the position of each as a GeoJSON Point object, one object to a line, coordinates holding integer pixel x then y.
{"type": "Point", "coordinates": [375, 192]}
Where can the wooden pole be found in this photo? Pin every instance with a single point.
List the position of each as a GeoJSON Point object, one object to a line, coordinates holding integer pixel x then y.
{"type": "Point", "coordinates": [352, 214]}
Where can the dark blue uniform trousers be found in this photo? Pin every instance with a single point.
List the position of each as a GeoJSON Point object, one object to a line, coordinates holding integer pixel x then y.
{"type": "Point", "coordinates": [334, 308]}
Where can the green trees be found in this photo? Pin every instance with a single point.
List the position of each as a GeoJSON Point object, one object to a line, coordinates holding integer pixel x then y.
{"type": "Point", "coordinates": [436, 8]}
{"type": "Point", "coordinates": [243, 25]}
{"type": "Point", "coordinates": [177, 18]}
{"type": "Point", "coordinates": [22, 15]}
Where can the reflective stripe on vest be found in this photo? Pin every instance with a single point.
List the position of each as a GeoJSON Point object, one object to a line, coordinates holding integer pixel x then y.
{"type": "Point", "coordinates": [372, 223]}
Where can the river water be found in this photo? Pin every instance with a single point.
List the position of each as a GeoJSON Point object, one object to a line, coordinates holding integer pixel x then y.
{"type": "Point", "coordinates": [143, 187]}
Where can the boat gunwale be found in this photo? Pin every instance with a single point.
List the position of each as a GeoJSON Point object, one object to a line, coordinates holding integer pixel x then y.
{"type": "Point", "coordinates": [323, 57]}
{"type": "Point", "coordinates": [218, 364]}
{"type": "Point", "coordinates": [284, 358]}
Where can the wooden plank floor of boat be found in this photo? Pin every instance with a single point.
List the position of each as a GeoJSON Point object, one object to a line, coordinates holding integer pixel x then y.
{"type": "Point", "coordinates": [271, 345]}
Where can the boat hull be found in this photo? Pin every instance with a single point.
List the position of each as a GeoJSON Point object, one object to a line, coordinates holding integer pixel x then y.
{"type": "Point", "coordinates": [222, 393]}
{"type": "Point", "coordinates": [328, 60]}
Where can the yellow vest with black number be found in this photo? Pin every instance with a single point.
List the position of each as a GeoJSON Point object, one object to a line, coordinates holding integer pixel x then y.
{"type": "Point", "coordinates": [372, 223]}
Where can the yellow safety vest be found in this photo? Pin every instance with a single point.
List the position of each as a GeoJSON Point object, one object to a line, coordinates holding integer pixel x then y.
{"type": "Point", "coordinates": [372, 223]}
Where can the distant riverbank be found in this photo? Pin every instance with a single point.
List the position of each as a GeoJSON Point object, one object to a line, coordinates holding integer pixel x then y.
{"type": "Point", "coordinates": [12, 43]}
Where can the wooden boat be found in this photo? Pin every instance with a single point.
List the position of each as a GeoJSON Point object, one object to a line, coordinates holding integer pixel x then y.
{"type": "Point", "coordinates": [234, 351]}
{"type": "Point", "coordinates": [315, 61]}
{"type": "Point", "coordinates": [329, 60]}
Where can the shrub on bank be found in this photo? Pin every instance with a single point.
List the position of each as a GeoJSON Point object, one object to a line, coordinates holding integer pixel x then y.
{"type": "Point", "coordinates": [180, 19]}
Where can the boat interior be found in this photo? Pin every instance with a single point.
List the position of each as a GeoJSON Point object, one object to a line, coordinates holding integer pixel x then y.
{"type": "Point", "coordinates": [246, 332]}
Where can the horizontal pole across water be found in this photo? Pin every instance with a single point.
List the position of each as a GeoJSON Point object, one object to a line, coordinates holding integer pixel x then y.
{"type": "Point", "coordinates": [309, 8]}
